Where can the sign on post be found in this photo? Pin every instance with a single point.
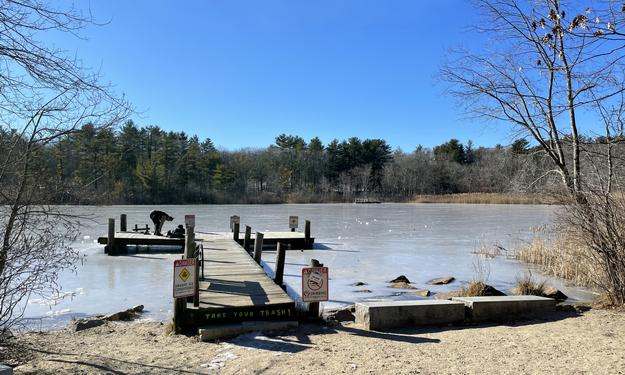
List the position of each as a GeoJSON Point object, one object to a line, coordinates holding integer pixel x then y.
{"type": "Point", "coordinates": [189, 220]}
{"type": "Point", "coordinates": [293, 222]}
{"type": "Point", "coordinates": [314, 284]}
{"type": "Point", "coordinates": [184, 278]}
{"type": "Point", "coordinates": [234, 219]}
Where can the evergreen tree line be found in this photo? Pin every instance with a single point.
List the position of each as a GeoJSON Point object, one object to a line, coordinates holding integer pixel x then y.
{"type": "Point", "coordinates": [141, 165]}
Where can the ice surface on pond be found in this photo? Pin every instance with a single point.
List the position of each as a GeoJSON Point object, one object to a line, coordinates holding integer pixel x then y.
{"type": "Point", "coordinates": [359, 243]}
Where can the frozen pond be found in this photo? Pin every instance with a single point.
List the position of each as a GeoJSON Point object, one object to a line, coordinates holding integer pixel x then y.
{"type": "Point", "coordinates": [371, 243]}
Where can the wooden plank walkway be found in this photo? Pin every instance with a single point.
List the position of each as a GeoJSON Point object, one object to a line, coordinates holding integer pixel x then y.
{"type": "Point", "coordinates": [236, 289]}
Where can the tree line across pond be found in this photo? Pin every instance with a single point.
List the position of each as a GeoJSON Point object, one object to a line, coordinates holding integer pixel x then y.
{"type": "Point", "coordinates": [147, 165]}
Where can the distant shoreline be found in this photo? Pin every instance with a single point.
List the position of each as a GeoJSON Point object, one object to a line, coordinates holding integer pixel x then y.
{"type": "Point", "coordinates": [460, 198]}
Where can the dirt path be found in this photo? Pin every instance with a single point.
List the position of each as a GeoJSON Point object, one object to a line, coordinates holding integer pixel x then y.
{"type": "Point", "coordinates": [590, 343]}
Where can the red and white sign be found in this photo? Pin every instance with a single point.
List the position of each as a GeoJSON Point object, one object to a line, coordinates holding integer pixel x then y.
{"type": "Point", "coordinates": [184, 278]}
{"type": "Point", "coordinates": [293, 222]}
{"type": "Point", "coordinates": [315, 284]}
{"type": "Point", "coordinates": [234, 219]}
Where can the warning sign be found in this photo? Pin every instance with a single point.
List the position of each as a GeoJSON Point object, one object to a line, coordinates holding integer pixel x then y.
{"type": "Point", "coordinates": [314, 284]}
{"type": "Point", "coordinates": [184, 278]}
{"type": "Point", "coordinates": [189, 220]}
{"type": "Point", "coordinates": [293, 222]}
{"type": "Point", "coordinates": [234, 219]}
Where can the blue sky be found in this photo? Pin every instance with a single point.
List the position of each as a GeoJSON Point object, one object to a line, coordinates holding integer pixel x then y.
{"type": "Point", "coordinates": [242, 72]}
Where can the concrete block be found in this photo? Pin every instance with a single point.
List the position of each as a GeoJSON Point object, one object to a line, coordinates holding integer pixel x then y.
{"type": "Point", "coordinates": [234, 329]}
{"type": "Point", "coordinates": [481, 309]}
{"type": "Point", "coordinates": [395, 314]}
{"type": "Point", "coordinates": [6, 370]}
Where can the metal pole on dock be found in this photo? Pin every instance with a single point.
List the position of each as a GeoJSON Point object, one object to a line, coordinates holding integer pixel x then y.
{"type": "Point", "coordinates": [246, 240]}
{"type": "Point", "coordinates": [235, 232]}
{"type": "Point", "coordinates": [307, 234]}
{"type": "Point", "coordinates": [110, 242]}
{"type": "Point", "coordinates": [122, 223]}
{"type": "Point", "coordinates": [280, 259]}
{"type": "Point", "coordinates": [258, 247]}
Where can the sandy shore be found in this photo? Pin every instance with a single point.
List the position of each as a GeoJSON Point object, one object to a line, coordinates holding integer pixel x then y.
{"type": "Point", "coordinates": [568, 343]}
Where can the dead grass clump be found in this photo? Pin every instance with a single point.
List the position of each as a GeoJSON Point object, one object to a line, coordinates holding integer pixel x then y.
{"type": "Point", "coordinates": [478, 289]}
{"type": "Point", "coordinates": [527, 286]}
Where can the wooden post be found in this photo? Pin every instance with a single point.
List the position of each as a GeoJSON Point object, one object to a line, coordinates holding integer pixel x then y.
{"type": "Point", "coordinates": [246, 240]}
{"type": "Point", "coordinates": [180, 305]}
{"type": "Point", "coordinates": [307, 234]}
{"type": "Point", "coordinates": [313, 307]}
{"type": "Point", "coordinates": [196, 292]}
{"type": "Point", "coordinates": [280, 258]}
{"type": "Point", "coordinates": [122, 223]}
{"type": "Point", "coordinates": [235, 232]}
{"type": "Point", "coordinates": [189, 242]}
{"type": "Point", "coordinates": [110, 242]}
{"type": "Point", "coordinates": [258, 247]}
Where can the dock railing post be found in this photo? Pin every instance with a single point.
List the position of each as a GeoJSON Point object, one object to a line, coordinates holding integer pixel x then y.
{"type": "Point", "coordinates": [280, 259]}
{"type": "Point", "coordinates": [307, 234]}
{"type": "Point", "coordinates": [122, 223]}
{"type": "Point", "coordinates": [189, 242]}
{"type": "Point", "coordinates": [110, 241]}
{"type": "Point", "coordinates": [246, 240]}
{"type": "Point", "coordinates": [258, 247]}
{"type": "Point", "coordinates": [235, 232]}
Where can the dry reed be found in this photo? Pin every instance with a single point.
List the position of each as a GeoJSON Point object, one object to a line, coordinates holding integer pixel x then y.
{"type": "Point", "coordinates": [560, 253]}
{"type": "Point", "coordinates": [485, 198]}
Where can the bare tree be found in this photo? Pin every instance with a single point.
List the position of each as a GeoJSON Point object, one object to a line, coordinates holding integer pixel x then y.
{"type": "Point", "coordinates": [554, 70]}
{"type": "Point", "coordinates": [542, 62]}
{"type": "Point", "coordinates": [45, 95]}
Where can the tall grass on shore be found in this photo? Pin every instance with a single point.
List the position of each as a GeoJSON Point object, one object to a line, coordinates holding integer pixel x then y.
{"type": "Point", "coordinates": [485, 198]}
{"type": "Point", "coordinates": [560, 252]}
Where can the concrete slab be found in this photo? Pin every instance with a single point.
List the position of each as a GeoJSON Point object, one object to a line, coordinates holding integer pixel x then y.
{"type": "Point", "coordinates": [235, 329]}
{"type": "Point", "coordinates": [396, 314]}
{"type": "Point", "coordinates": [480, 309]}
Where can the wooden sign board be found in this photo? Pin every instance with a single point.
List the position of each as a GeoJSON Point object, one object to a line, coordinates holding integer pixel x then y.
{"type": "Point", "coordinates": [293, 222]}
{"type": "Point", "coordinates": [184, 278]}
{"type": "Point", "coordinates": [189, 220]}
{"type": "Point", "coordinates": [234, 219]}
{"type": "Point", "coordinates": [315, 284]}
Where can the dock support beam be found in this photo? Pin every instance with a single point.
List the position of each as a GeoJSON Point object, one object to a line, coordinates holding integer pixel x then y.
{"type": "Point", "coordinates": [307, 235]}
{"type": "Point", "coordinates": [246, 240]}
{"type": "Point", "coordinates": [258, 247]}
{"type": "Point", "coordinates": [110, 242]}
{"type": "Point", "coordinates": [280, 258]}
{"type": "Point", "coordinates": [122, 223]}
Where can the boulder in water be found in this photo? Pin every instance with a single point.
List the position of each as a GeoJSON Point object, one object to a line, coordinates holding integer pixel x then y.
{"type": "Point", "coordinates": [442, 280]}
{"type": "Point", "coordinates": [400, 279]}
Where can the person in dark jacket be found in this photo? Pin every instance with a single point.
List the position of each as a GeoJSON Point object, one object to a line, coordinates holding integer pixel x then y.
{"type": "Point", "coordinates": [158, 218]}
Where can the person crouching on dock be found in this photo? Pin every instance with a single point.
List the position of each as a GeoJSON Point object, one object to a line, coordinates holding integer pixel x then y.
{"type": "Point", "coordinates": [158, 218]}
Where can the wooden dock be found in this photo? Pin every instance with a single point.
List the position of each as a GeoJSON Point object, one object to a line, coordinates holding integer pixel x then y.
{"type": "Point", "coordinates": [233, 292]}
{"type": "Point", "coordinates": [234, 289]}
